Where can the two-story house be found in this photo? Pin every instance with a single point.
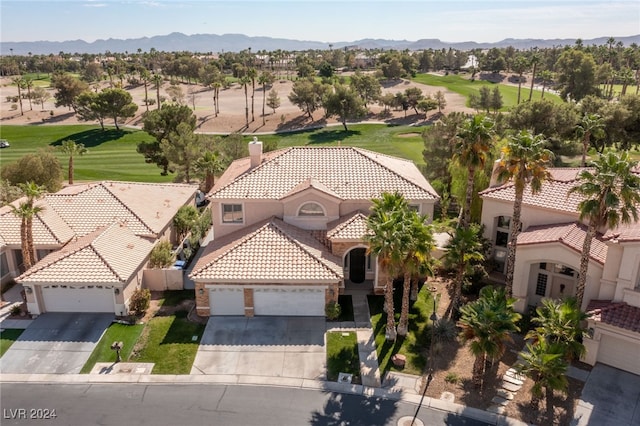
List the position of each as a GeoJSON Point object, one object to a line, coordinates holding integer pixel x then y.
{"type": "Point", "coordinates": [290, 226]}
{"type": "Point", "coordinates": [548, 260]}
{"type": "Point", "coordinates": [92, 243]}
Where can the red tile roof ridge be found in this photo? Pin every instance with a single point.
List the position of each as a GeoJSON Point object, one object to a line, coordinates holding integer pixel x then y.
{"type": "Point", "coordinates": [339, 224]}
{"type": "Point", "coordinates": [126, 206]}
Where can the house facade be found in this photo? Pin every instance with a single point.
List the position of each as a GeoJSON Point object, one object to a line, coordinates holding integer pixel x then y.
{"type": "Point", "coordinates": [92, 242]}
{"type": "Point", "coordinates": [290, 228]}
{"type": "Point", "coordinates": [548, 260]}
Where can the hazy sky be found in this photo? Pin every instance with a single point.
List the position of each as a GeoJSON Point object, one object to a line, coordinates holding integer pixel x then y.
{"type": "Point", "coordinates": [326, 21]}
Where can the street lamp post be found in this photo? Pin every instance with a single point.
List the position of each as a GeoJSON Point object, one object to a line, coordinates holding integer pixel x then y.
{"type": "Point", "coordinates": [433, 318]}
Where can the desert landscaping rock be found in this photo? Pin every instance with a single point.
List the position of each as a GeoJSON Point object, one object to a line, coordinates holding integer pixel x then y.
{"type": "Point", "coordinates": [448, 396]}
{"type": "Point", "coordinates": [511, 387]}
{"type": "Point", "coordinates": [505, 394]}
{"type": "Point", "coordinates": [499, 401]}
{"type": "Point", "coordinates": [512, 380]}
{"type": "Point", "coordinates": [496, 409]}
{"type": "Point", "coordinates": [512, 372]}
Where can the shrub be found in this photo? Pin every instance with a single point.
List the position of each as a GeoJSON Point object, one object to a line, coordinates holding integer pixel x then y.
{"type": "Point", "coordinates": [445, 331]}
{"type": "Point", "coordinates": [14, 107]}
{"type": "Point", "coordinates": [452, 378]}
{"type": "Point", "coordinates": [162, 255]}
{"type": "Point", "coordinates": [332, 310]}
{"type": "Point", "coordinates": [139, 302]}
{"type": "Point", "coordinates": [16, 310]}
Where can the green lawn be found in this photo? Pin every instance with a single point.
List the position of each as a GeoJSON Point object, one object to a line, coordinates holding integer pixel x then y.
{"type": "Point", "coordinates": [465, 87]}
{"type": "Point", "coordinates": [417, 340]}
{"type": "Point", "coordinates": [342, 355]}
{"type": "Point", "coordinates": [112, 154]}
{"type": "Point", "coordinates": [174, 297]}
{"type": "Point", "coordinates": [128, 334]}
{"type": "Point", "coordinates": [167, 342]}
{"type": "Point", "coordinates": [7, 337]}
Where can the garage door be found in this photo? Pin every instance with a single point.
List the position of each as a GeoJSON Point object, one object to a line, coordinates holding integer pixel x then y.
{"type": "Point", "coordinates": [619, 353]}
{"type": "Point", "coordinates": [78, 299]}
{"type": "Point", "coordinates": [226, 301]}
{"type": "Point", "coordinates": [289, 301]}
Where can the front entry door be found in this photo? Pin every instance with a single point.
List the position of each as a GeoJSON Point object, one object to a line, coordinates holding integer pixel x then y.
{"type": "Point", "coordinates": [357, 259]}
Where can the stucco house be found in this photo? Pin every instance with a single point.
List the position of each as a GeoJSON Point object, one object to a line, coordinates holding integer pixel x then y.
{"type": "Point", "coordinates": [290, 226]}
{"type": "Point", "coordinates": [548, 260]}
{"type": "Point", "coordinates": [92, 243]}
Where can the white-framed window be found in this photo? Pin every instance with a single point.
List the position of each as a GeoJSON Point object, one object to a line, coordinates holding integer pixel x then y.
{"type": "Point", "coordinates": [415, 207]}
{"type": "Point", "coordinates": [502, 231]}
{"type": "Point", "coordinates": [541, 284]}
{"type": "Point", "coordinates": [311, 209]}
{"type": "Point", "coordinates": [232, 213]}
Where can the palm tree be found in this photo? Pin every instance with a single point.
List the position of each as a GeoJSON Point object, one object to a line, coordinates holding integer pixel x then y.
{"type": "Point", "coordinates": [71, 149]}
{"type": "Point", "coordinates": [544, 363]}
{"type": "Point", "coordinates": [157, 81]}
{"type": "Point", "coordinates": [19, 82]}
{"type": "Point", "coordinates": [525, 160]}
{"type": "Point", "coordinates": [387, 214]}
{"type": "Point", "coordinates": [535, 60]}
{"type": "Point", "coordinates": [488, 323]}
{"type": "Point", "coordinates": [520, 66]}
{"type": "Point", "coordinates": [145, 76]}
{"type": "Point", "coordinates": [265, 79]}
{"type": "Point", "coordinates": [464, 249]}
{"type": "Point", "coordinates": [209, 165]}
{"type": "Point", "coordinates": [559, 322]}
{"type": "Point", "coordinates": [546, 77]}
{"type": "Point", "coordinates": [417, 245]}
{"type": "Point", "coordinates": [472, 151]}
{"type": "Point", "coordinates": [28, 83]}
{"type": "Point", "coordinates": [590, 125]}
{"type": "Point", "coordinates": [25, 211]}
{"type": "Point", "coordinates": [252, 73]}
{"type": "Point", "coordinates": [611, 196]}
{"type": "Point", "coordinates": [244, 81]}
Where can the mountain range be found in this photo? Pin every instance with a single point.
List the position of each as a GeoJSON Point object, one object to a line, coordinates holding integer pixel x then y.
{"type": "Point", "coordinates": [236, 42]}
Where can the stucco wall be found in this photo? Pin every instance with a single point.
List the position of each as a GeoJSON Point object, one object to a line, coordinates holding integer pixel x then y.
{"type": "Point", "coordinates": [163, 279]}
{"type": "Point", "coordinates": [253, 212]}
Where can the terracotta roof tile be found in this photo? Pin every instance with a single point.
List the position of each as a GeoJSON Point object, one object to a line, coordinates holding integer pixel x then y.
{"type": "Point", "coordinates": [48, 227]}
{"type": "Point", "coordinates": [271, 251]}
{"type": "Point", "coordinates": [616, 314]}
{"type": "Point", "coordinates": [624, 233]}
{"type": "Point", "coordinates": [569, 234]}
{"type": "Point", "coordinates": [553, 195]}
{"type": "Point", "coordinates": [350, 173]}
{"type": "Point", "coordinates": [350, 227]}
{"type": "Point", "coordinates": [311, 183]}
{"type": "Point", "coordinates": [109, 254]}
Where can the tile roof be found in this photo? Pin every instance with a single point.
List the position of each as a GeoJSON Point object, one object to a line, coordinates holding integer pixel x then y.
{"type": "Point", "coordinates": [553, 195]}
{"type": "Point", "coordinates": [350, 227]}
{"type": "Point", "coordinates": [624, 233]}
{"type": "Point", "coordinates": [147, 208]}
{"type": "Point", "coordinates": [618, 314]}
{"type": "Point", "coordinates": [350, 173]}
{"type": "Point", "coordinates": [311, 183]}
{"type": "Point", "coordinates": [271, 251]}
{"type": "Point", "coordinates": [569, 234]}
{"type": "Point", "coordinates": [48, 228]}
{"type": "Point", "coordinates": [109, 254]}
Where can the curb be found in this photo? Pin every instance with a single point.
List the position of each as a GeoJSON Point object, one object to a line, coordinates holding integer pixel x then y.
{"type": "Point", "coordinates": [391, 394]}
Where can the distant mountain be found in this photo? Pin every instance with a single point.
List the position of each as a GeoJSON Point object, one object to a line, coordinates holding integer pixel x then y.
{"type": "Point", "coordinates": [236, 42]}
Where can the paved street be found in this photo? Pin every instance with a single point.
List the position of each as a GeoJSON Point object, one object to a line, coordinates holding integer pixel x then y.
{"type": "Point", "coordinates": [55, 343]}
{"type": "Point", "coordinates": [186, 405]}
{"type": "Point", "coordinates": [267, 346]}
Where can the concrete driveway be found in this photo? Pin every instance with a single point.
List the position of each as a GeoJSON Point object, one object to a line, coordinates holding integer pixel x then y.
{"type": "Point", "coordinates": [57, 343]}
{"type": "Point", "coordinates": [290, 347]}
{"type": "Point", "coordinates": [609, 397]}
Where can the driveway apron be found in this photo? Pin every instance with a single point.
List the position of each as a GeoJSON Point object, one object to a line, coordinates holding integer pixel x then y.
{"type": "Point", "coordinates": [58, 343]}
{"type": "Point", "coordinates": [290, 347]}
{"type": "Point", "coordinates": [609, 397]}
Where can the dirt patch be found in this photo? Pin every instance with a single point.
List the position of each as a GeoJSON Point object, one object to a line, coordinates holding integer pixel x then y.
{"type": "Point", "coordinates": [408, 135]}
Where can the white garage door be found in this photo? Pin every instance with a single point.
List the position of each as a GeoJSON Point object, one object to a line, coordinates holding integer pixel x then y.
{"type": "Point", "coordinates": [619, 353]}
{"type": "Point", "coordinates": [226, 301]}
{"type": "Point", "coordinates": [291, 301]}
{"type": "Point", "coordinates": [77, 299]}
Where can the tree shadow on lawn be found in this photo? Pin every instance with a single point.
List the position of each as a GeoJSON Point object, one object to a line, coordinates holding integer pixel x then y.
{"type": "Point", "coordinates": [330, 136]}
{"type": "Point", "coordinates": [182, 330]}
{"type": "Point", "coordinates": [94, 137]}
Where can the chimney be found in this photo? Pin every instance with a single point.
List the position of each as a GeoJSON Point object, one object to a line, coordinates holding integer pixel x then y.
{"type": "Point", "coordinates": [255, 152]}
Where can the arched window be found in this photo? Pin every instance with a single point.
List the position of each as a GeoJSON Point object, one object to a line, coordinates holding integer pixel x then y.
{"type": "Point", "coordinates": [311, 209]}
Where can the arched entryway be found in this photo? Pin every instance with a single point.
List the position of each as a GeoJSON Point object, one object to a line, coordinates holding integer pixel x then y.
{"type": "Point", "coordinates": [357, 265]}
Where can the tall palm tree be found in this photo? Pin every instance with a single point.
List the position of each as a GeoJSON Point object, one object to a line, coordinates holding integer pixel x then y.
{"type": "Point", "coordinates": [525, 160]}
{"type": "Point", "coordinates": [488, 323]}
{"type": "Point", "coordinates": [157, 82]}
{"type": "Point", "coordinates": [544, 363]}
{"type": "Point", "coordinates": [209, 165]}
{"type": "Point", "coordinates": [464, 249]}
{"type": "Point", "coordinates": [590, 125]}
{"type": "Point", "coordinates": [71, 149]}
{"type": "Point", "coordinates": [387, 215]}
{"type": "Point", "coordinates": [472, 151]}
{"type": "Point", "coordinates": [28, 83]}
{"type": "Point", "coordinates": [611, 196]}
{"type": "Point", "coordinates": [145, 76]}
{"type": "Point", "coordinates": [244, 81]}
{"type": "Point", "coordinates": [520, 66]}
{"type": "Point", "coordinates": [416, 248]}
{"type": "Point", "coordinates": [25, 211]}
{"type": "Point", "coordinates": [265, 79]}
{"type": "Point", "coordinates": [19, 82]}
{"type": "Point", "coordinates": [546, 77]}
{"type": "Point", "coordinates": [535, 60]}
{"type": "Point", "coordinates": [252, 73]}
{"type": "Point", "coordinates": [559, 322]}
